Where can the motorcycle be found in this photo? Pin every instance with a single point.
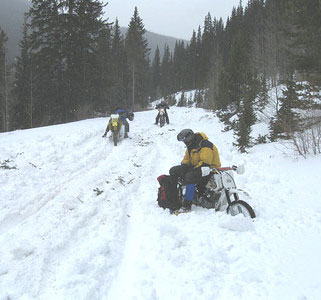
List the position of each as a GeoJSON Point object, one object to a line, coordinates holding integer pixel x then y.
{"type": "Point", "coordinates": [162, 117]}
{"type": "Point", "coordinates": [221, 193]}
{"type": "Point", "coordinates": [116, 128]}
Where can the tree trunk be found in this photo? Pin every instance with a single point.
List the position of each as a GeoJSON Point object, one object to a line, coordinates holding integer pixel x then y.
{"type": "Point", "coordinates": [133, 86]}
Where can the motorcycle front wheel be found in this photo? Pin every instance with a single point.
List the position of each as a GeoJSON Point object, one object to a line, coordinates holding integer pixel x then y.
{"type": "Point", "coordinates": [240, 207]}
{"type": "Point", "coordinates": [162, 121]}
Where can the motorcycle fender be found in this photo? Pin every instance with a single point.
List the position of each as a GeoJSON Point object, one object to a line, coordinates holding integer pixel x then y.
{"type": "Point", "coordinates": [243, 194]}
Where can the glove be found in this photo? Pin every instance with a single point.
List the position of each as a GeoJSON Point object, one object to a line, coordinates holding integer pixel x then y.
{"type": "Point", "coordinates": [205, 171]}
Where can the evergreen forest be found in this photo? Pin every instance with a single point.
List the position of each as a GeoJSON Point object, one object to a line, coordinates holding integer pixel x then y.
{"type": "Point", "coordinates": [74, 64]}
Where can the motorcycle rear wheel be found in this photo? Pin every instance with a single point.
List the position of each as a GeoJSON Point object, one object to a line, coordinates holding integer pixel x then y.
{"type": "Point", "coordinates": [115, 138]}
{"type": "Point", "coordinates": [240, 207]}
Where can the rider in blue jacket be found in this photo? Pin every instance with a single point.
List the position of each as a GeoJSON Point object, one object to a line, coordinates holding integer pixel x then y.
{"type": "Point", "coordinates": [124, 114]}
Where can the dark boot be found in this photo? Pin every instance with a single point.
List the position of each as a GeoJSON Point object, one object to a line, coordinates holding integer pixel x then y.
{"type": "Point", "coordinates": [126, 135]}
{"type": "Point", "coordinates": [186, 206]}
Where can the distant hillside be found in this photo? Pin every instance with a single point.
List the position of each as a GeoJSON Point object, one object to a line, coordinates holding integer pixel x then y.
{"type": "Point", "coordinates": [155, 39]}
{"type": "Point", "coordinates": [11, 21]}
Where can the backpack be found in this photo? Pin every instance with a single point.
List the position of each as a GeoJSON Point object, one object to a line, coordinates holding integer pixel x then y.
{"type": "Point", "coordinates": [168, 193]}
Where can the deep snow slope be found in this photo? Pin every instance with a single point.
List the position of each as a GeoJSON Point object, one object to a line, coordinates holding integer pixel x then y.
{"type": "Point", "coordinates": [59, 239]}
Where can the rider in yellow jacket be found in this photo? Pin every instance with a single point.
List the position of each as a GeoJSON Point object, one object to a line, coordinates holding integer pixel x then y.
{"type": "Point", "coordinates": [201, 152]}
{"type": "Point", "coordinates": [200, 156]}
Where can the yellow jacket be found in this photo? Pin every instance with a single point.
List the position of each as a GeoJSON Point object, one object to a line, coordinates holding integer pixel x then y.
{"type": "Point", "coordinates": [202, 152]}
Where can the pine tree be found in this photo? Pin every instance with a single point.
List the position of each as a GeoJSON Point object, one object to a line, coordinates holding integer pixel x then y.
{"type": "Point", "coordinates": [4, 108]}
{"type": "Point", "coordinates": [192, 63]}
{"type": "Point", "coordinates": [45, 39]}
{"type": "Point", "coordinates": [276, 40]}
{"type": "Point", "coordinates": [287, 120]}
{"type": "Point", "coordinates": [155, 76]}
{"type": "Point", "coordinates": [166, 83]}
{"type": "Point", "coordinates": [243, 128]}
{"type": "Point", "coordinates": [255, 21]}
{"type": "Point", "coordinates": [65, 38]}
{"type": "Point", "coordinates": [119, 85]}
{"type": "Point", "coordinates": [182, 100]}
{"type": "Point", "coordinates": [179, 66]}
{"type": "Point", "coordinates": [262, 97]}
{"type": "Point", "coordinates": [246, 115]}
{"type": "Point", "coordinates": [211, 95]}
{"type": "Point", "coordinates": [103, 77]}
{"type": "Point", "coordinates": [24, 84]}
{"type": "Point", "coordinates": [86, 35]}
{"type": "Point", "coordinates": [233, 75]}
{"type": "Point", "coordinates": [304, 19]}
{"type": "Point", "coordinates": [206, 50]}
{"type": "Point", "coordinates": [137, 56]}
{"type": "Point", "coordinates": [198, 80]}
{"type": "Point", "coordinates": [199, 98]}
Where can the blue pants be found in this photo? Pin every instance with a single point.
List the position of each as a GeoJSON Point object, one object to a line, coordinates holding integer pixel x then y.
{"type": "Point", "coordinates": [191, 177]}
{"type": "Point", "coordinates": [190, 190]}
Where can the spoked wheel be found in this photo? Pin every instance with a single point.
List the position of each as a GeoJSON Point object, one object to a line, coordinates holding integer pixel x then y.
{"type": "Point", "coordinates": [115, 138]}
{"type": "Point", "coordinates": [240, 207]}
{"type": "Point", "coordinates": [162, 121]}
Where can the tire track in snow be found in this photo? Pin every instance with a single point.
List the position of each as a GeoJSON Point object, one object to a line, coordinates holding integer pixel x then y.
{"type": "Point", "coordinates": [118, 226]}
{"type": "Point", "coordinates": [157, 158]}
{"type": "Point", "coordinates": [72, 176]}
{"type": "Point", "coordinates": [132, 259]}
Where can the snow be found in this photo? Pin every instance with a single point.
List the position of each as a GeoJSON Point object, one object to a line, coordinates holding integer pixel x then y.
{"type": "Point", "coordinates": [59, 239]}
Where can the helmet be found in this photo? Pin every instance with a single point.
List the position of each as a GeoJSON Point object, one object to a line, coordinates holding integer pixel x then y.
{"type": "Point", "coordinates": [130, 116]}
{"type": "Point", "coordinates": [186, 136]}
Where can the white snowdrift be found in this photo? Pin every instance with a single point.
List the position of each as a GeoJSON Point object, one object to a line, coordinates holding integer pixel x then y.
{"type": "Point", "coordinates": [60, 240]}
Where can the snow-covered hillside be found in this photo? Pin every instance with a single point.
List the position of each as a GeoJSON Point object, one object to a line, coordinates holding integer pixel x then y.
{"type": "Point", "coordinates": [59, 239]}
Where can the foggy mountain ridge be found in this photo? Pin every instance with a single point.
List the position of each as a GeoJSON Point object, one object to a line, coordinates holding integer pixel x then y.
{"type": "Point", "coordinates": [11, 22]}
{"type": "Point", "coordinates": [155, 39]}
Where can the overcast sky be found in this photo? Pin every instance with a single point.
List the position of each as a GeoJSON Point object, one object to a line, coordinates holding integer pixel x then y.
{"type": "Point", "coordinates": [176, 18]}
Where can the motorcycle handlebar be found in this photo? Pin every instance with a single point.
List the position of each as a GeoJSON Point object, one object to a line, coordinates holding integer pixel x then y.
{"type": "Point", "coordinates": [239, 169]}
{"type": "Point", "coordinates": [224, 169]}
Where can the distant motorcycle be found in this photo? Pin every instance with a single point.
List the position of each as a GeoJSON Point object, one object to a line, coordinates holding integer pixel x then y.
{"type": "Point", "coordinates": [116, 128]}
{"type": "Point", "coordinates": [221, 193]}
{"type": "Point", "coordinates": [162, 117]}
